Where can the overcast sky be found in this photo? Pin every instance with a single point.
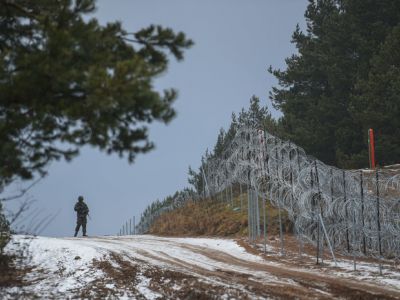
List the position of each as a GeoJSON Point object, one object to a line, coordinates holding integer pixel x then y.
{"type": "Point", "coordinates": [235, 42]}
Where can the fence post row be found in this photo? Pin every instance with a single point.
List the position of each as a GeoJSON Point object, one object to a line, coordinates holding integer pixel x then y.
{"type": "Point", "coordinates": [345, 207]}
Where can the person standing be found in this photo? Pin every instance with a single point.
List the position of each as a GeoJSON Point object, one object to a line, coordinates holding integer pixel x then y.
{"type": "Point", "coordinates": [82, 210]}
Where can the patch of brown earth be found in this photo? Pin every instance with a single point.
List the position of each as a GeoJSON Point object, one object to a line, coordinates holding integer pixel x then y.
{"type": "Point", "coordinates": [120, 279]}
{"type": "Point", "coordinates": [177, 285]}
{"type": "Point", "coordinates": [12, 275]}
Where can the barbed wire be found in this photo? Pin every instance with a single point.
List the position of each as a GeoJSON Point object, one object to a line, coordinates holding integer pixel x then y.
{"type": "Point", "coordinates": [150, 215]}
{"type": "Point", "coordinates": [359, 209]}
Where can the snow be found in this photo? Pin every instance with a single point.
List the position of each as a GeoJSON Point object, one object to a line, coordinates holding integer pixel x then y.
{"type": "Point", "coordinates": [59, 259]}
{"type": "Point", "coordinates": [178, 249]}
{"type": "Point", "coordinates": [226, 245]}
{"type": "Point", "coordinates": [64, 265]}
{"type": "Point", "coordinates": [144, 290]}
{"type": "Point", "coordinates": [367, 271]}
{"type": "Point", "coordinates": [67, 263]}
{"type": "Point", "coordinates": [344, 268]}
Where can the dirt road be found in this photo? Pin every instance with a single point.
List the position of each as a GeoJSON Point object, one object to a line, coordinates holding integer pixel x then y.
{"type": "Point", "coordinates": [149, 267]}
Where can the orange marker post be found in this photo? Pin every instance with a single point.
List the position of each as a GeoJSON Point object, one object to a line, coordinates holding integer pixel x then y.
{"type": "Point", "coordinates": [371, 148]}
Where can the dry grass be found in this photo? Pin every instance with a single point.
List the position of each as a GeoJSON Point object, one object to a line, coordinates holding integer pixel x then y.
{"type": "Point", "coordinates": [215, 218]}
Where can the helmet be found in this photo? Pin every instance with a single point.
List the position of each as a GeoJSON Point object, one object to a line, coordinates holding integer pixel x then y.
{"type": "Point", "coordinates": [80, 198]}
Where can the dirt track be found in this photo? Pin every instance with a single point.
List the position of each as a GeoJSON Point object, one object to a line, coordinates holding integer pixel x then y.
{"type": "Point", "coordinates": [242, 278]}
{"type": "Point", "coordinates": [151, 267]}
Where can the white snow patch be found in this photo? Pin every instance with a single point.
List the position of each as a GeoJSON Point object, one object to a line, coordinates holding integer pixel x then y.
{"type": "Point", "coordinates": [143, 288]}
{"type": "Point", "coordinates": [66, 265]}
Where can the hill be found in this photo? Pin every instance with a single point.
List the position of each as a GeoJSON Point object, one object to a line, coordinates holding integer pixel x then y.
{"type": "Point", "coordinates": [216, 218]}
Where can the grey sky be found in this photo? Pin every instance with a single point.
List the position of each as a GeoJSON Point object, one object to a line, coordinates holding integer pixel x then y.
{"type": "Point", "coordinates": [235, 42]}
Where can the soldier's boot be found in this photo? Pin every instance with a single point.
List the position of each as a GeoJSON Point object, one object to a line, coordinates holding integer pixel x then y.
{"type": "Point", "coordinates": [76, 233]}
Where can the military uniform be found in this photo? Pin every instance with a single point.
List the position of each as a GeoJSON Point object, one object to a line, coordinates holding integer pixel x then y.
{"type": "Point", "coordinates": [82, 211]}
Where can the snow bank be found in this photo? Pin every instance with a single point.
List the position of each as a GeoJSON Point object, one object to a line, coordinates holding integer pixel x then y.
{"type": "Point", "coordinates": [63, 265]}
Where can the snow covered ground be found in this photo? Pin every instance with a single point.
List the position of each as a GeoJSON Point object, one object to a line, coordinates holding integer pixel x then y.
{"type": "Point", "coordinates": [150, 267]}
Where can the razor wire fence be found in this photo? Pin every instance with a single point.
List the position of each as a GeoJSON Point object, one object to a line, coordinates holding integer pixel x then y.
{"type": "Point", "coordinates": [359, 209]}
{"type": "Point", "coordinates": [155, 210]}
{"type": "Point", "coordinates": [353, 211]}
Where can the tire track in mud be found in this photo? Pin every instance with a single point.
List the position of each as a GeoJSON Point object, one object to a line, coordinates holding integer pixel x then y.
{"type": "Point", "coordinates": [259, 279]}
{"type": "Point", "coordinates": [335, 286]}
{"type": "Point", "coordinates": [224, 275]}
{"type": "Point", "coordinates": [239, 280]}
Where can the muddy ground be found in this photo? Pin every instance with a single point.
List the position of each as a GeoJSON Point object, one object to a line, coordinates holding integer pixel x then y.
{"type": "Point", "coordinates": [169, 273]}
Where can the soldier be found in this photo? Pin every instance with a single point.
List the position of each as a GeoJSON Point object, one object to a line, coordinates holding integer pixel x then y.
{"type": "Point", "coordinates": [82, 211]}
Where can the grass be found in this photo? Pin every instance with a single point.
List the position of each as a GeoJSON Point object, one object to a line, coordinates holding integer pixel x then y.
{"type": "Point", "coordinates": [212, 217]}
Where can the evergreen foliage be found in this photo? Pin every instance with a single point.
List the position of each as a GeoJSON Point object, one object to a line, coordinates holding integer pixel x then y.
{"type": "Point", "coordinates": [4, 230]}
{"type": "Point", "coordinates": [377, 103]}
{"type": "Point", "coordinates": [67, 81]}
{"type": "Point", "coordinates": [254, 116]}
{"type": "Point", "coordinates": [342, 81]}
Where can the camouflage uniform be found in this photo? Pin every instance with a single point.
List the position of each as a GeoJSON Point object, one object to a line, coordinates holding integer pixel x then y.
{"type": "Point", "coordinates": [82, 211]}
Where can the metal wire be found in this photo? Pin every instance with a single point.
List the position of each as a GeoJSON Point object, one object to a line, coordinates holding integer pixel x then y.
{"type": "Point", "coordinates": [360, 209]}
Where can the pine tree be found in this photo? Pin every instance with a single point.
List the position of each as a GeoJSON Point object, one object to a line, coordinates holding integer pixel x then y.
{"type": "Point", "coordinates": [378, 103]}
{"type": "Point", "coordinates": [4, 230]}
{"type": "Point", "coordinates": [196, 180]}
{"type": "Point", "coordinates": [258, 117]}
{"type": "Point", "coordinates": [230, 134]}
{"type": "Point", "coordinates": [317, 89]}
{"type": "Point", "coordinates": [219, 146]}
{"type": "Point", "coordinates": [67, 81]}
